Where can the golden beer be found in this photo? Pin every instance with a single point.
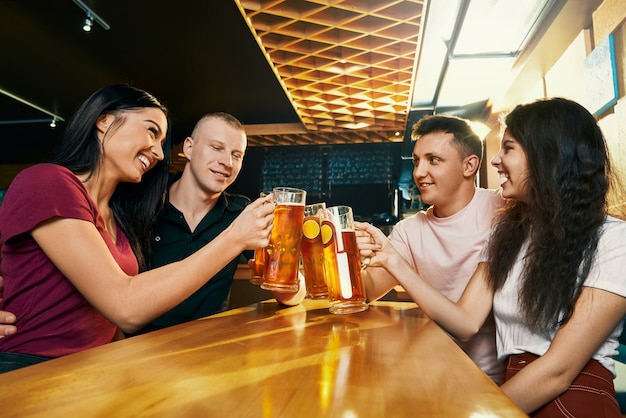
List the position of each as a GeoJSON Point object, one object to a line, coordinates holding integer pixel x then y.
{"type": "Point", "coordinates": [282, 255]}
{"type": "Point", "coordinates": [259, 258]}
{"type": "Point", "coordinates": [258, 266]}
{"type": "Point", "coordinates": [313, 258]}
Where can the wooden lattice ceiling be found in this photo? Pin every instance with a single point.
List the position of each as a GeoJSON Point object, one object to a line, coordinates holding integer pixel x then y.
{"type": "Point", "coordinates": [346, 66]}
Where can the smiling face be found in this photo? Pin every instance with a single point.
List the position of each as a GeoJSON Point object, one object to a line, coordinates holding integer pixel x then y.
{"type": "Point", "coordinates": [512, 165]}
{"type": "Point", "coordinates": [445, 179]}
{"type": "Point", "coordinates": [132, 141]}
{"type": "Point", "coordinates": [215, 154]}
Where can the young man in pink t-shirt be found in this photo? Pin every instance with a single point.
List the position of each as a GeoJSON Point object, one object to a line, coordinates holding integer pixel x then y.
{"type": "Point", "coordinates": [444, 242]}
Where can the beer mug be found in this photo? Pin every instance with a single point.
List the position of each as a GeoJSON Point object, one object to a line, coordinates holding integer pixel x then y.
{"type": "Point", "coordinates": [259, 259]}
{"type": "Point", "coordinates": [282, 255]}
{"type": "Point", "coordinates": [258, 266]}
{"type": "Point", "coordinates": [312, 251]}
{"type": "Point", "coordinates": [346, 290]}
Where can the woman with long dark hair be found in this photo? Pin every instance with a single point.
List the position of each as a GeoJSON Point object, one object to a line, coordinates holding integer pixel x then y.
{"type": "Point", "coordinates": [133, 205]}
{"type": "Point", "coordinates": [552, 270]}
{"type": "Point", "coordinates": [72, 233]}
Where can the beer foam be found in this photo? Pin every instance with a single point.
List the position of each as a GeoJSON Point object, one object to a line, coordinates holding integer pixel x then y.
{"type": "Point", "coordinates": [289, 204]}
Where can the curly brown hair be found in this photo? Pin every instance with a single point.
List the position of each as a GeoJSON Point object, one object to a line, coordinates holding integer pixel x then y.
{"type": "Point", "coordinates": [569, 172]}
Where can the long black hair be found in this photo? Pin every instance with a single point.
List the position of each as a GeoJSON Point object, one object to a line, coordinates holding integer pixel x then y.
{"type": "Point", "coordinates": [134, 205]}
{"type": "Point", "coordinates": [569, 177]}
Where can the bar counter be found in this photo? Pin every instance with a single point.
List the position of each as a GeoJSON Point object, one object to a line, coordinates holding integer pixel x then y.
{"type": "Point", "coordinates": [267, 360]}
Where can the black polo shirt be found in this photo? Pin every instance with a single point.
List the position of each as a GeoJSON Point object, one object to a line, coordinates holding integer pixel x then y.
{"type": "Point", "coordinates": [174, 241]}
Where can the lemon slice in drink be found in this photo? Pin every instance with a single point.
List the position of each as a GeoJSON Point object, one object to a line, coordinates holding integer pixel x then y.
{"type": "Point", "coordinates": [327, 234]}
{"type": "Point", "coordinates": [310, 229]}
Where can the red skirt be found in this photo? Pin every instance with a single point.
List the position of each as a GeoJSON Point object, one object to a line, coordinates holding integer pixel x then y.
{"type": "Point", "coordinates": [591, 394]}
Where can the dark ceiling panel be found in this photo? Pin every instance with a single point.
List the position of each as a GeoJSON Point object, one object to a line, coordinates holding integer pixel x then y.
{"type": "Point", "coordinates": [196, 57]}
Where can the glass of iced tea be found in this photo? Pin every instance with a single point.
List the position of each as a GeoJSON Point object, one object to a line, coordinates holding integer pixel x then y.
{"type": "Point", "coordinates": [313, 252]}
{"type": "Point", "coordinates": [282, 255]}
{"type": "Point", "coordinates": [346, 290]}
{"type": "Point", "coordinates": [259, 259]}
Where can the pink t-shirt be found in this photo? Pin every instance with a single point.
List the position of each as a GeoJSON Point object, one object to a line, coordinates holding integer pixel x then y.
{"type": "Point", "coordinates": [53, 318]}
{"type": "Point", "coordinates": [445, 253]}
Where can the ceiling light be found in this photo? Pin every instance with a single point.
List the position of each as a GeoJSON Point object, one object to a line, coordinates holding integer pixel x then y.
{"type": "Point", "coordinates": [336, 69]}
{"type": "Point", "coordinates": [397, 137]}
{"type": "Point", "coordinates": [459, 59]}
{"type": "Point", "coordinates": [53, 123]}
{"type": "Point", "coordinates": [359, 125]}
{"type": "Point", "coordinates": [34, 106]}
{"type": "Point", "coordinates": [91, 17]}
{"type": "Point", "coordinates": [88, 23]}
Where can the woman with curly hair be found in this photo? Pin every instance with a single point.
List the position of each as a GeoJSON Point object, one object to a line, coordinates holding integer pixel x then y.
{"type": "Point", "coordinates": [552, 270]}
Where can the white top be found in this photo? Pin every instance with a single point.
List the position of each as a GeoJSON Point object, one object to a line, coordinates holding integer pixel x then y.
{"type": "Point", "coordinates": [445, 253]}
{"type": "Point", "coordinates": [607, 273]}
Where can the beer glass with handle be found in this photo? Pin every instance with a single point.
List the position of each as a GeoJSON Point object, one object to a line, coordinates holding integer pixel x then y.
{"type": "Point", "coordinates": [282, 255]}
{"type": "Point", "coordinates": [346, 290]}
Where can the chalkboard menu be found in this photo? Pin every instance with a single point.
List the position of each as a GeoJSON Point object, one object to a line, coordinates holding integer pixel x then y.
{"type": "Point", "coordinates": [299, 167]}
{"type": "Point", "coordinates": [359, 175]}
{"type": "Point", "coordinates": [318, 168]}
{"type": "Point", "coordinates": [358, 165]}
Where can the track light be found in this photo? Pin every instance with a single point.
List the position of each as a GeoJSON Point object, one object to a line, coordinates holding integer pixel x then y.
{"type": "Point", "coordinates": [54, 116]}
{"type": "Point", "coordinates": [91, 17]}
{"type": "Point", "coordinates": [88, 23]}
{"type": "Point", "coordinates": [53, 123]}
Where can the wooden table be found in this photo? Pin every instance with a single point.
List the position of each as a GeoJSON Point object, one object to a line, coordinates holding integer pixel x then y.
{"type": "Point", "coordinates": [267, 360]}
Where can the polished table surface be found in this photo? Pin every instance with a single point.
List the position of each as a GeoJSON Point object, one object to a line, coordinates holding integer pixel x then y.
{"type": "Point", "coordinates": [267, 360]}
